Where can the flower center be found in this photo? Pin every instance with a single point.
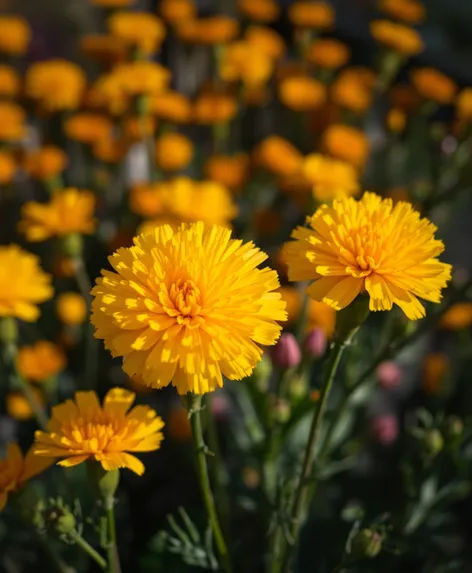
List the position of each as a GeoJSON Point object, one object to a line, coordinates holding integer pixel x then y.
{"type": "Point", "coordinates": [186, 297]}
{"type": "Point", "coordinates": [363, 245]}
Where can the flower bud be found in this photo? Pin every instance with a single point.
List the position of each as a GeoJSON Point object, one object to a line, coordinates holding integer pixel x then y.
{"type": "Point", "coordinates": [366, 543]}
{"type": "Point", "coordinates": [72, 245]}
{"type": "Point", "coordinates": [105, 481]}
{"type": "Point", "coordinates": [433, 442]}
{"type": "Point", "coordinates": [453, 428]}
{"type": "Point", "coordinates": [385, 429]}
{"type": "Point", "coordinates": [315, 343]}
{"type": "Point", "coordinates": [297, 387]}
{"type": "Point", "coordinates": [56, 516]}
{"type": "Point", "coordinates": [389, 374]}
{"type": "Point", "coordinates": [281, 411]}
{"type": "Point", "coordinates": [286, 353]}
{"type": "Point", "coordinates": [262, 373]}
{"type": "Point", "coordinates": [8, 330]}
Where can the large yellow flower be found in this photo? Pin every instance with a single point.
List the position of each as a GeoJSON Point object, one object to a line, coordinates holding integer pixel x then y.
{"type": "Point", "coordinates": [369, 245]}
{"type": "Point", "coordinates": [82, 429]}
{"type": "Point", "coordinates": [188, 307]}
{"type": "Point", "coordinates": [16, 469]}
{"type": "Point", "coordinates": [22, 284]}
{"type": "Point", "coordinates": [69, 211]}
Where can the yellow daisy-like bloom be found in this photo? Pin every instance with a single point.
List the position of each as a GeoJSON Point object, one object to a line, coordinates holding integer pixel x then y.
{"type": "Point", "coordinates": [45, 163]}
{"type": "Point", "coordinates": [69, 211]}
{"type": "Point", "coordinates": [347, 143]}
{"type": "Point", "coordinates": [209, 30]}
{"type": "Point", "coordinates": [139, 30]}
{"type": "Point", "coordinates": [15, 35]}
{"type": "Point", "coordinates": [171, 106]}
{"type": "Point", "coordinates": [55, 84]}
{"type": "Point", "coordinates": [82, 429]}
{"type": "Point", "coordinates": [308, 14]}
{"type": "Point", "coordinates": [408, 11]}
{"type": "Point", "coordinates": [464, 104]}
{"type": "Point", "coordinates": [278, 155]}
{"type": "Point", "coordinates": [88, 128]}
{"type": "Point", "coordinates": [17, 469]}
{"type": "Point", "coordinates": [9, 81]}
{"type": "Point", "coordinates": [174, 10]}
{"type": "Point", "coordinates": [331, 178]}
{"type": "Point", "coordinates": [71, 308]}
{"type": "Point", "coordinates": [328, 53]}
{"type": "Point", "coordinates": [23, 284]}
{"type": "Point", "coordinates": [241, 61]}
{"type": "Point", "coordinates": [136, 78]}
{"type": "Point", "coordinates": [7, 168]}
{"type": "Point", "coordinates": [352, 89]}
{"type": "Point", "coordinates": [302, 93]}
{"type": "Point", "coordinates": [459, 316]}
{"type": "Point", "coordinates": [266, 40]}
{"type": "Point", "coordinates": [174, 151]}
{"type": "Point", "coordinates": [40, 361]}
{"type": "Point", "coordinates": [397, 37]}
{"type": "Point", "coordinates": [259, 10]}
{"type": "Point", "coordinates": [12, 121]}
{"type": "Point", "coordinates": [433, 85]}
{"type": "Point", "coordinates": [188, 307]}
{"type": "Point", "coordinates": [232, 171]}
{"type": "Point", "coordinates": [369, 246]}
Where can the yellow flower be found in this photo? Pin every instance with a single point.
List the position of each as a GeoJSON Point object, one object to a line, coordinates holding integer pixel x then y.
{"type": "Point", "coordinates": [88, 127]}
{"type": "Point", "coordinates": [12, 121]}
{"type": "Point", "coordinates": [331, 178]}
{"type": "Point", "coordinates": [409, 11]}
{"type": "Point", "coordinates": [464, 104]}
{"type": "Point", "coordinates": [369, 246]}
{"type": "Point", "coordinates": [174, 151]}
{"type": "Point", "coordinates": [433, 85]}
{"type": "Point", "coordinates": [188, 307]}
{"type": "Point", "coordinates": [243, 62]}
{"type": "Point", "coordinates": [15, 35]}
{"type": "Point", "coordinates": [19, 408]}
{"type": "Point", "coordinates": [68, 211]}
{"type": "Point", "coordinates": [45, 163]}
{"type": "Point", "coordinates": [352, 89]}
{"type": "Point", "coordinates": [136, 127]}
{"type": "Point", "coordinates": [7, 168]}
{"type": "Point", "coordinates": [302, 93]}
{"type": "Point", "coordinates": [40, 361]}
{"type": "Point", "coordinates": [136, 78]}
{"type": "Point", "coordinates": [107, 94]}
{"type": "Point", "coordinates": [397, 37]}
{"type": "Point", "coordinates": [110, 150]}
{"type": "Point", "coordinates": [140, 30]}
{"type": "Point", "coordinates": [17, 469]}
{"type": "Point", "coordinates": [308, 14]}
{"type": "Point", "coordinates": [147, 199]}
{"type": "Point", "coordinates": [396, 120]}
{"type": "Point", "coordinates": [266, 40]}
{"type": "Point", "coordinates": [230, 170]}
{"type": "Point", "coordinates": [278, 155]}
{"type": "Point", "coordinates": [171, 106]}
{"type": "Point", "coordinates": [259, 10]}
{"type": "Point", "coordinates": [9, 81]}
{"type": "Point", "coordinates": [55, 84]}
{"type": "Point", "coordinates": [458, 317]}
{"type": "Point", "coordinates": [347, 143]}
{"type": "Point", "coordinates": [82, 429]}
{"type": "Point", "coordinates": [103, 47]}
{"type": "Point", "coordinates": [208, 31]}
{"type": "Point", "coordinates": [71, 308]}
{"type": "Point", "coordinates": [328, 53]}
{"type": "Point", "coordinates": [211, 108]}
{"type": "Point", "coordinates": [174, 10]}
{"type": "Point", "coordinates": [23, 284]}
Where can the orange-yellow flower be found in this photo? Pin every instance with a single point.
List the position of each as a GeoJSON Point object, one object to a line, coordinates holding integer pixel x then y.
{"type": "Point", "coordinates": [40, 361]}
{"type": "Point", "coordinates": [137, 127]}
{"type": "Point", "coordinates": [88, 127]}
{"type": "Point", "coordinates": [230, 170]}
{"type": "Point", "coordinates": [110, 149]}
{"type": "Point", "coordinates": [259, 10]}
{"type": "Point", "coordinates": [23, 284]}
{"type": "Point", "coordinates": [278, 155]}
{"type": "Point", "coordinates": [9, 81]}
{"type": "Point", "coordinates": [171, 106]}
{"type": "Point", "coordinates": [12, 122]}
{"type": "Point", "coordinates": [369, 246]}
{"type": "Point", "coordinates": [7, 168]}
{"type": "Point", "coordinates": [173, 11]}
{"type": "Point", "coordinates": [458, 317]}
{"type": "Point", "coordinates": [140, 30]}
{"type": "Point", "coordinates": [16, 469]}
{"type": "Point", "coordinates": [107, 94]}
{"type": "Point", "coordinates": [352, 89]}
{"type": "Point", "coordinates": [211, 108]}
{"type": "Point", "coordinates": [243, 62]}
{"type": "Point", "coordinates": [19, 408]}
{"type": "Point", "coordinates": [103, 47]}
{"type": "Point", "coordinates": [174, 151]}
{"type": "Point", "coordinates": [208, 31]}
{"type": "Point", "coordinates": [347, 143]}
{"type": "Point", "coordinates": [266, 40]}
{"type": "Point", "coordinates": [308, 14]}
{"type": "Point", "coordinates": [45, 163]}
{"type": "Point", "coordinates": [69, 211]}
{"type": "Point", "coordinates": [188, 307]}
{"type": "Point", "coordinates": [433, 85]}
{"type": "Point", "coordinates": [397, 37]}
{"type": "Point", "coordinates": [147, 199]}
{"type": "Point", "coordinates": [464, 104]}
{"type": "Point", "coordinates": [136, 78]}
{"type": "Point", "coordinates": [15, 35]}
{"type": "Point", "coordinates": [328, 53]}
{"type": "Point", "coordinates": [302, 93]}
{"type": "Point", "coordinates": [71, 308]}
{"type": "Point", "coordinates": [408, 11]}
{"type": "Point", "coordinates": [396, 120]}
{"type": "Point", "coordinates": [82, 429]}
{"type": "Point", "coordinates": [330, 178]}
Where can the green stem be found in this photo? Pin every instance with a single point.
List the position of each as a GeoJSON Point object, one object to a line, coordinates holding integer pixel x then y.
{"type": "Point", "coordinates": [204, 480]}
{"type": "Point", "coordinates": [55, 561]}
{"type": "Point", "coordinates": [38, 410]}
{"type": "Point", "coordinates": [112, 550]}
{"type": "Point", "coordinates": [80, 541]}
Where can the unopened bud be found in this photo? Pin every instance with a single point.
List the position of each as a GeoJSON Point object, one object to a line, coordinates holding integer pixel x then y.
{"type": "Point", "coordinates": [315, 343]}
{"type": "Point", "coordinates": [54, 515]}
{"type": "Point", "coordinates": [297, 387]}
{"type": "Point", "coordinates": [453, 427]}
{"type": "Point", "coordinates": [262, 373]}
{"type": "Point", "coordinates": [433, 442]}
{"type": "Point", "coordinates": [286, 353]}
{"type": "Point", "coordinates": [8, 330]}
{"type": "Point", "coordinates": [389, 374]}
{"type": "Point", "coordinates": [282, 411]}
{"type": "Point", "coordinates": [72, 246]}
{"type": "Point", "coordinates": [105, 481]}
{"type": "Point", "coordinates": [366, 543]}
{"type": "Point", "coordinates": [385, 429]}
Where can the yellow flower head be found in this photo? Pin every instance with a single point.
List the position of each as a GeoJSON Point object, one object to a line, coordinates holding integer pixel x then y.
{"type": "Point", "coordinates": [23, 284]}
{"type": "Point", "coordinates": [104, 48]}
{"type": "Point", "coordinates": [243, 62]}
{"type": "Point", "coordinates": [107, 94]}
{"type": "Point", "coordinates": [331, 178]}
{"type": "Point", "coordinates": [302, 93]}
{"type": "Point", "coordinates": [71, 308]}
{"type": "Point", "coordinates": [369, 246]}
{"type": "Point", "coordinates": [174, 151]}
{"type": "Point", "coordinates": [88, 127]}
{"type": "Point", "coordinates": [45, 163]}
{"type": "Point", "coordinates": [140, 30]}
{"type": "Point", "coordinates": [110, 149]}
{"type": "Point", "coordinates": [171, 106]}
{"type": "Point", "coordinates": [82, 429]}
{"type": "Point", "coordinates": [211, 107]}
{"type": "Point", "coordinates": [279, 156]}
{"type": "Point", "coordinates": [433, 85]}
{"type": "Point", "coordinates": [458, 317]}
{"type": "Point", "coordinates": [68, 211]}
{"type": "Point", "coordinates": [308, 14]}
{"type": "Point", "coordinates": [40, 361]}
{"type": "Point", "coordinates": [55, 84]}
{"type": "Point", "coordinates": [230, 170]}
{"type": "Point", "coordinates": [408, 11]}
{"type": "Point", "coordinates": [347, 143]}
{"type": "Point", "coordinates": [266, 40]}
{"type": "Point", "coordinates": [188, 307]}
{"type": "Point", "coordinates": [18, 406]}
{"type": "Point", "coordinates": [15, 35]}
{"type": "Point", "coordinates": [9, 81]}
{"type": "Point", "coordinates": [264, 11]}
{"type": "Point", "coordinates": [7, 168]}
{"type": "Point", "coordinates": [396, 120]}
{"type": "Point", "coordinates": [173, 11]}
{"type": "Point", "coordinates": [136, 78]}
{"type": "Point", "coordinates": [397, 37]}
{"type": "Point", "coordinates": [16, 469]}
{"type": "Point", "coordinates": [328, 53]}
{"type": "Point", "coordinates": [148, 199]}
{"type": "Point", "coordinates": [352, 89]}
{"type": "Point", "coordinates": [464, 104]}
{"type": "Point", "coordinates": [208, 31]}
{"type": "Point", "coordinates": [12, 122]}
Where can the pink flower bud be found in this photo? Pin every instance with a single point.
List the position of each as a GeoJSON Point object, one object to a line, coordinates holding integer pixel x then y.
{"type": "Point", "coordinates": [385, 429]}
{"type": "Point", "coordinates": [389, 374]}
{"type": "Point", "coordinates": [219, 407]}
{"type": "Point", "coordinates": [286, 353]}
{"type": "Point", "coordinates": [315, 343]}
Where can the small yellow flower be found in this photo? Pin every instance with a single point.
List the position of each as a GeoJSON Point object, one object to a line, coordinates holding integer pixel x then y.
{"type": "Point", "coordinates": [330, 178]}
{"type": "Point", "coordinates": [103, 47]}
{"type": "Point", "coordinates": [23, 284]}
{"type": "Point", "coordinates": [88, 127]}
{"type": "Point", "coordinates": [17, 469]}
{"type": "Point", "coordinates": [408, 11]}
{"type": "Point", "coordinates": [433, 85]}
{"type": "Point", "coordinates": [12, 122]}
{"type": "Point", "coordinates": [302, 93]}
{"type": "Point", "coordinates": [140, 30]}
{"type": "Point", "coordinates": [266, 40]}
{"type": "Point", "coordinates": [110, 149]}
{"type": "Point", "coordinates": [243, 62]}
{"type": "Point", "coordinates": [171, 106]}
{"type": "Point", "coordinates": [231, 171]}
{"type": "Point", "coordinates": [71, 308]}
{"type": "Point", "coordinates": [19, 408]}
{"type": "Point", "coordinates": [397, 37]}
{"type": "Point", "coordinates": [55, 84]}
{"type": "Point", "coordinates": [15, 35]}
{"type": "Point", "coordinates": [188, 307]}
{"type": "Point", "coordinates": [352, 89]}
{"type": "Point", "coordinates": [173, 11]}
{"type": "Point", "coordinates": [40, 361]}
{"type": "Point", "coordinates": [308, 14]}
{"type": "Point", "coordinates": [136, 127]}
{"type": "Point", "coordinates": [464, 104]}
{"type": "Point", "coordinates": [45, 163]}
{"type": "Point", "coordinates": [147, 199]}
{"type": "Point", "coordinates": [264, 11]}
{"type": "Point", "coordinates": [211, 108]}
{"type": "Point", "coordinates": [7, 168]}
{"type": "Point", "coordinates": [396, 120]}
{"type": "Point", "coordinates": [278, 156]}
{"type": "Point", "coordinates": [208, 31]}
{"type": "Point", "coordinates": [68, 211]}
{"type": "Point", "coordinates": [107, 94]}
{"type": "Point", "coordinates": [369, 246]}
{"type": "Point", "coordinates": [136, 78]}
{"type": "Point", "coordinates": [82, 429]}
{"type": "Point", "coordinates": [174, 151]}
{"type": "Point", "coordinates": [9, 81]}
{"type": "Point", "coordinates": [328, 53]}
{"type": "Point", "coordinates": [458, 317]}
{"type": "Point", "coordinates": [347, 143]}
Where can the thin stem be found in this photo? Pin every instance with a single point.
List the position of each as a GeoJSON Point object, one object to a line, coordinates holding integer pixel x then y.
{"type": "Point", "coordinates": [80, 541]}
{"type": "Point", "coordinates": [112, 550]}
{"type": "Point", "coordinates": [204, 480]}
{"type": "Point", "coordinates": [38, 410]}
